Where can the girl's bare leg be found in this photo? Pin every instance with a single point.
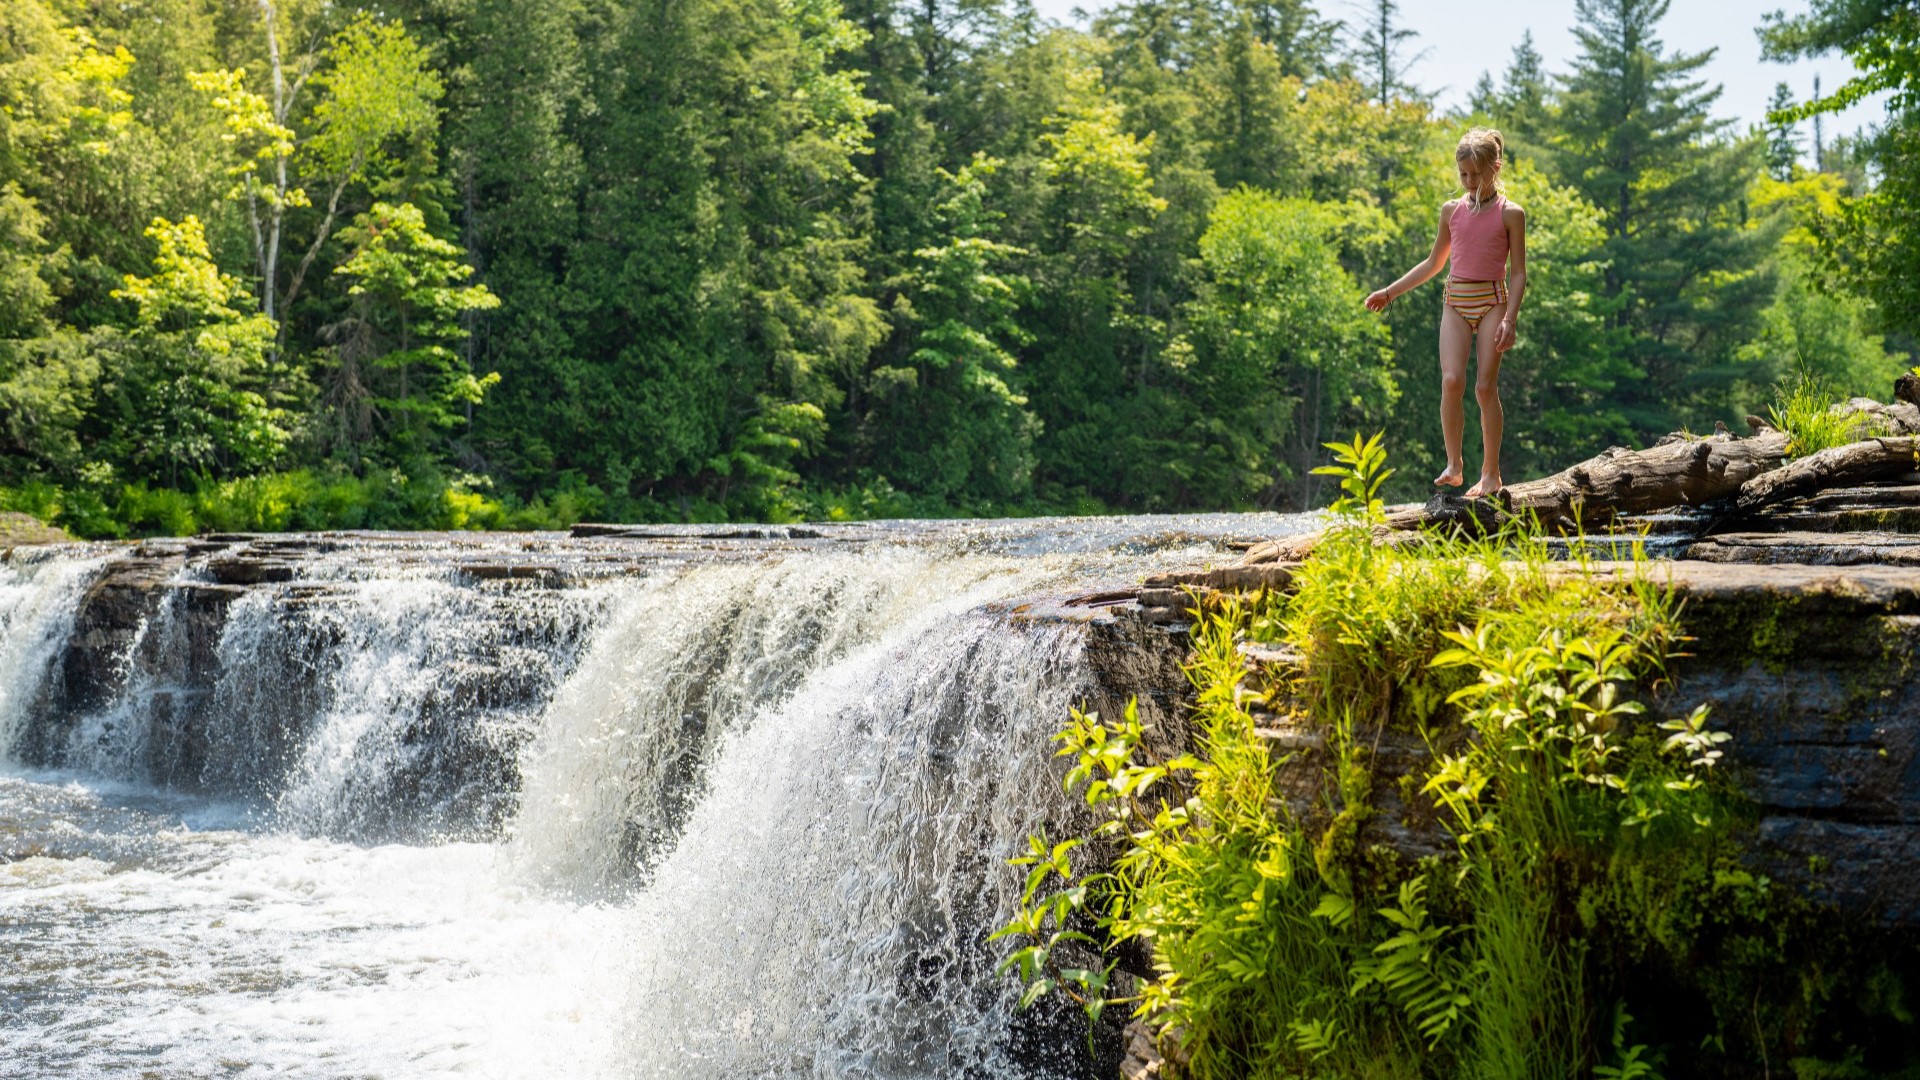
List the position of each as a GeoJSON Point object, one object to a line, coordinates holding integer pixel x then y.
{"type": "Point", "coordinates": [1455, 342]}
{"type": "Point", "coordinates": [1486, 390]}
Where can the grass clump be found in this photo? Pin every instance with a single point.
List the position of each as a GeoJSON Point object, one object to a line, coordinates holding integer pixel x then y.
{"type": "Point", "coordinates": [1803, 408]}
{"type": "Point", "coordinates": [1589, 850]}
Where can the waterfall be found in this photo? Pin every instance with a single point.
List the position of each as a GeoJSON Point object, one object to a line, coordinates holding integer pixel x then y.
{"type": "Point", "coordinates": [825, 908]}
{"type": "Point", "coordinates": [733, 809]}
{"type": "Point", "coordinates": [39, 596]}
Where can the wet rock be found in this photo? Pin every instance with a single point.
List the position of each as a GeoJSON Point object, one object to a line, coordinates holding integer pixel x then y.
{"type": "Point", "coordinates": [1821, 549]}
{"type": "Point", "coordinates": [250, 569]}
{"type": "Point", "coordinates": [1142, 1059]}
{"type": "Point", "coordinates": [544, 575]}
{"type": "Point", "coordinates": [1133, 657]}
{"type": "Point", "coordinates": [110, 615]}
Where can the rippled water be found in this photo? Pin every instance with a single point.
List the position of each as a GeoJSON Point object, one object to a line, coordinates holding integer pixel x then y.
{"type": "Point", "coordinates": [705, 811]}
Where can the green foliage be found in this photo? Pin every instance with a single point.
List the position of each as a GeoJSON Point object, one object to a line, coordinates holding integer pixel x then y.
{"type": "Point", "coordinates": [1870, 239]}
{"type": "Point", "coordinates": [379, 86]}
{"type": "Point", "coordinates": [1807, 410]}
{"type": "Point", "coordinates": [1635, 135]}
{"type": "Point", "coordinates": [1278, 350]}
{"type": "Point", "coordinates": [1819, 325]}
{"type": "Point", "coordinates": [190, 380]}
{"type": "Point", "coordinates": [1422, 978]}
{"type": "Point", "coordinates": [948, 421]}
{"type": "Point", "coordinates": [1591, 873]}
{"type": "Point", "coordinates": [776, 258]}
{"type": "Point", "coordinates": [301, 499]}
{"type": "Point", "coordinates": [394, 367]}
{"type": "Point", "coordinates": [1362, 469]}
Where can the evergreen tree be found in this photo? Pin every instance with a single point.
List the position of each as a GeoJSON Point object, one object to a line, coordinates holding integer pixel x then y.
{"type": "Point", "coordinates": [1247, 117]}
{"type": "Point", "coordinates": [1304, 44]}
{"type": "Point", "coordinates": [1684, 270]}
{"type": "Point", "coordinates": [1783, 136]}
{"type": "Point", "coordinates": [1378, 53]}
{"type": "Point", "coordinates": [1482, 98]}
{"type": "Point", "coordinates": [1521, 110]}
{"type": "Point", "coordinates": [1875, 239]}
{"type": "Point", "coordinates": [947, 421]}
{"type": "Point", "coordinates": [1090, 354]}
{"type": "Point", "coordinates": [513, 136]}
{"type": "Point", "coordinates": [719, 255]}
{"type": "Point", "coordinates": [394, 371]}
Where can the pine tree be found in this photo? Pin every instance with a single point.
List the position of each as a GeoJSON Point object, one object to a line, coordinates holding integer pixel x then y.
{"type": "Point", "coordinates": [1524, 114]}
{"type": "Point", "coordinates": [1638, 141]}
{"type": "Point", "coordinates": [1483, 99]}
{"type": "Point", "coordinates": [1783, 136]}
{"type": "Point", "coordinates": [1303, 43]}
{"type": "Point", "coordinates": [1379, 53]}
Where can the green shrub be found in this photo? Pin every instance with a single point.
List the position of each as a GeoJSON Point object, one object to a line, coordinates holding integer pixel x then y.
{"type": "Point", "coordinates": [1593, 871]}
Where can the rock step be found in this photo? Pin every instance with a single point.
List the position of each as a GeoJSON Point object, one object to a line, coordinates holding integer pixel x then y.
{"type": "Point", "coordinates": [1811, 548]}
{"type": "Point", "coordinates": [1840, 518]}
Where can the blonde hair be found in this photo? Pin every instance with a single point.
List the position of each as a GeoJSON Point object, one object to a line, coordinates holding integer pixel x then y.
{"type": "Point", "coordinates": [1485, 148]}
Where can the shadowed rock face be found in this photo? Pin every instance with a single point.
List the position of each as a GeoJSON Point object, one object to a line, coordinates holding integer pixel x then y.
{"type": "Point", "coordinates": [1813, 669]}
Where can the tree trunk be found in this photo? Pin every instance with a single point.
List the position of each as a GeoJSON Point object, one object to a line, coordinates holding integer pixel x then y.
{"type": "Point", "coordinates": [1870, 459]}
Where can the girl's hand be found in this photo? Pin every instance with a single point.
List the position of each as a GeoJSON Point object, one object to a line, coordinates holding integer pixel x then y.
{"type": "Point", "coordinates": [1378, 300]}
{"type": "Point", "coordinates": [1505, 335]}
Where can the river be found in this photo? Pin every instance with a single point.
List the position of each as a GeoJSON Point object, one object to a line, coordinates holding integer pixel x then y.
{"type": "Point", "coordinates": [689, 806]}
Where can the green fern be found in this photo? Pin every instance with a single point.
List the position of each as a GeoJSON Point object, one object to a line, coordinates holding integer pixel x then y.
{"type": "Point", "coordinates": [1413, 969]}
{"type": "Point", "coordinates": [1629, 1063]}
{"type": "Point", "coordinates": [1315, 1038]}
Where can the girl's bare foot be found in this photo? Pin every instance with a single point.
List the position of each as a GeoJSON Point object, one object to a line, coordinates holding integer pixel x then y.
{"type": "Point", "coordinates": [1488, 485]}
{"type": "Point", "coordinates": [1451, 478]}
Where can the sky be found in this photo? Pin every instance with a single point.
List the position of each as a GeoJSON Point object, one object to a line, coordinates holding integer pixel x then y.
{"type": "Point", "coordinates": [1466, 37]}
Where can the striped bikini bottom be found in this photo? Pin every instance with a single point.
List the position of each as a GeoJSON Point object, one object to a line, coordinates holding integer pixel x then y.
{"type": "Point", "coordinates": [1473, 299]}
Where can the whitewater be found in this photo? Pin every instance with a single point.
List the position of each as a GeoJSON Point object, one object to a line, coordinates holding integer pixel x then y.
{"type": "Point", "coordinates": [695, 810]}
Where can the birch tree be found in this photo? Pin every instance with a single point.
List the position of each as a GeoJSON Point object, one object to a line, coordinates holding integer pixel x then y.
{"type": "Point", "coordinates": [376, 89]}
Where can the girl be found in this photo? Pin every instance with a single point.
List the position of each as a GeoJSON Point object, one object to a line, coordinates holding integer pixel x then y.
{"type": "Point", "coordinates": [1482, 230]}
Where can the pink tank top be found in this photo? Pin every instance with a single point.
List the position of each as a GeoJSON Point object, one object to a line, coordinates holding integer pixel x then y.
{"type": "Point", "coordinates": [1479, 241]}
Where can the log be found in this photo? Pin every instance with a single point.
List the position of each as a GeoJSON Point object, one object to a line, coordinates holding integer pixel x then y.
{"type": "Point", "coordinates": [1680, 470]}
{"type": "Point", "coordinates": [1869, 459]}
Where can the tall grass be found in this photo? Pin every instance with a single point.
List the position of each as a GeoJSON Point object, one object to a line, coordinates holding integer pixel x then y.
{"type": "Point", "coordinates": [1803, 408]}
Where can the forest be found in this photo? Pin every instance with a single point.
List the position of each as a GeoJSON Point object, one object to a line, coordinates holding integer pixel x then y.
{"type": "Point", "coordinates": [273, 264]}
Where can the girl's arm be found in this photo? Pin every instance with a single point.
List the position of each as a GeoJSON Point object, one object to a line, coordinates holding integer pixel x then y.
{"type": "Point", "coordinates": [1442, 244]}
{"type": "Point", "coordinates": [1509, 330]}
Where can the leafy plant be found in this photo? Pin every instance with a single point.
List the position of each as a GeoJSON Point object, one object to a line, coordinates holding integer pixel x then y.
{"type": "Point", "coordinates": [1362, 469]}
{"type": "Point", "coordinates": [1412, 966]}
{"type": "Point", "coordinates": [1283, 944]}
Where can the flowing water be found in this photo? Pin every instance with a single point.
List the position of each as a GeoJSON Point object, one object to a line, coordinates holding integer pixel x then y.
{"type": "Point", "coordinates": [692, 807]}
